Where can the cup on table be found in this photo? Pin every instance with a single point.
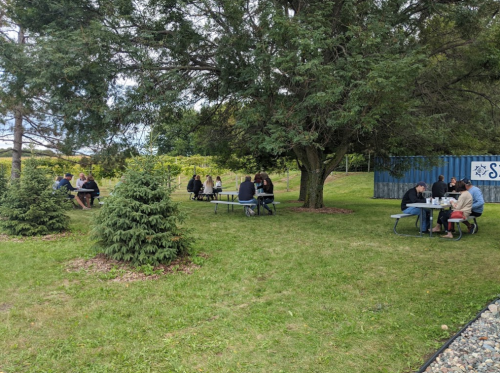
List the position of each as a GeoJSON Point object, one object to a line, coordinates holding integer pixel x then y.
{"type": "Point", "coordinates": [427, 200]}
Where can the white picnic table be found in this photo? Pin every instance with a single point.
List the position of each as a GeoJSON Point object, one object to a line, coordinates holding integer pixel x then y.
{"type": "Point", "coordinates": [430, 206]}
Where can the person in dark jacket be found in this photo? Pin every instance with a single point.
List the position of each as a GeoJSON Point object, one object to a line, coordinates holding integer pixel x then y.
{"type": "Point", "coordinates": [439, 188]}
{"type": "Point", "coordinates": [268, 188]}
{"type": "Point", "coordinates": [91, 184]}
{"type": "Point", "coordinates": [414, 195]}
{"type": "Point", "coordinates": [191, 184]}
{"type": "Point", "coordinates": [246, 193]}
{"type": "Point", "coordinates": [65, 183]}
{"type": "Point", "coordinates": [197, 185]}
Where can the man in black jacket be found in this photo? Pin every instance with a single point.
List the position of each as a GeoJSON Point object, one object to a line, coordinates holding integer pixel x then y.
{"type": "Point", "coordinates": [246, 193]}
{"type": "Point", "coordinates": [414, 195]}
{"type": "Point", "coordinates": [191, 184]}
{"type": "Point", "coordinates": [439, 188]}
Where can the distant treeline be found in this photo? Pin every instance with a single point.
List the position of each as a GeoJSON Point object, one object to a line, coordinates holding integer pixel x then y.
{"type": "Point", "coordinates": [7, 152]}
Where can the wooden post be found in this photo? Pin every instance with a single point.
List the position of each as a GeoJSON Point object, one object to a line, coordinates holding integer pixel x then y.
{"type": "Point", "coordinates": [346, 165]}
{"type": "Point", "coordinates": [369, 154]}
{"type": "Point", "coordinates": [287, 179]}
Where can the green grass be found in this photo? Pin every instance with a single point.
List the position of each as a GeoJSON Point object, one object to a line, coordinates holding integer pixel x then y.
{"type": "Point", "coordinates": [296, 292]}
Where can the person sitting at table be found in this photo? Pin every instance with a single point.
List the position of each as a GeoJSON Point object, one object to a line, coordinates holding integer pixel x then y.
{"type": "Point", "coordinates": [459, 209]}
{"type": "Point", "coordinates": [65, 183]}
{"type": "Point", "coordinates": [477, 204]}
{"type": "Point", "coordinates": [191, 184]}
{"type": "Point", "coordinates": [197, 185]}
{"type": "Point", "coordinates": [208, 187]}
{"type": "Point", "coordinates": [56, 182]}
{"type": "Point", "coordinates": [414, 195]}
{"type": "Point", "coordinates": [246, 193]}
{"type": "Point", "coordinates": [89, 196]}
{"type": "Point", "coordinates": [257, 180]}
{"type": "Point", "coordinates": [439, 188]}
{"type": "Point", "coordinates": [268, 188]}
{"type": "Point", "coordinates": [451, 184]}
{"type": "Point", "coordinates": [80, 181]}
{"type": "Point", "coordinates": [218, 186]}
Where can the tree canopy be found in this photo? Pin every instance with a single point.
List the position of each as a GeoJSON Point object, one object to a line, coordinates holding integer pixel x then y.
{"type": "Point", "coordinates": [316, 78]}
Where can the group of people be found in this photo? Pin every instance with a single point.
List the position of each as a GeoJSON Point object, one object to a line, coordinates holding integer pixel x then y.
{"type": "Point", "coordinates": [84, 199]}
{"type": "Point", "coordinates": [470, 203]}
{"type": "Point", "coordinates": [261, 184]}
{"type": "Point", "coordinates": [208, 188]}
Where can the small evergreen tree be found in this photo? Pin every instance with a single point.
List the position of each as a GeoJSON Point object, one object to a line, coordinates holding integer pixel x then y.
{"type": "Point", "coordinates": [3, 183]}
{"type": "Point", "coordinates": [30, 206]}
{"type": "Point", "coordinates": [138, 222]}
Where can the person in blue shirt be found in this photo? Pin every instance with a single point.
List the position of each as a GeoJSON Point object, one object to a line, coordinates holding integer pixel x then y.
{"type": "Point", "coordinates": [477, 204]}
{"type": "Point", "coordinates": [65, 183]}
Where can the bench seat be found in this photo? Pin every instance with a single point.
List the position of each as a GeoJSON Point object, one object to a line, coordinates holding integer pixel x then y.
{"type": "Point", "coordinates": [246, 205]}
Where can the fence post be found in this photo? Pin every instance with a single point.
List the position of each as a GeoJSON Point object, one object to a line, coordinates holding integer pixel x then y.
{"type": "Point", "coordinates": [287, 179]}
{"type": "Point", "coordinates": [346, 164]}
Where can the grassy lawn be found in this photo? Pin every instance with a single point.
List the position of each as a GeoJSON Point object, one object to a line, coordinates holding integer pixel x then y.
{"type": "Point", "coordinates": [296, 292]}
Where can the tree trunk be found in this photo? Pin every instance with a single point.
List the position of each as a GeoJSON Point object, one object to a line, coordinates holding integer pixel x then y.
{"type": "Point", "coordinates": [17, 147]}
{"type": "Point", "coordinates": [303, 182]}
{"type": "Point", "coordinates": [318, 166]}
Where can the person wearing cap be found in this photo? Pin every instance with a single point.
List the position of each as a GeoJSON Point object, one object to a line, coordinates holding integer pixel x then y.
{"type": "Point", "coordinates": [477, 204]}
{"type": "Point", "coordinates": [439, 188]}
{"type": "Point", "coordinates": [65, 183]}
{"type": "Point", "coordinates": [414, 195]}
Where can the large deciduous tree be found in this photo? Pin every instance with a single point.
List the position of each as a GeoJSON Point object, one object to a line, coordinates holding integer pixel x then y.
{"type": "Point", "coordinates": [319, 78]}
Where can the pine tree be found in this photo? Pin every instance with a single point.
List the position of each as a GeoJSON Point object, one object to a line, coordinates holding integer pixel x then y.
{"type": "Point", "coordinates": [3, 183]}
{"type": "Point", "coordinates": [30, 206]}
{"type": "Point", "coordinates": [138, 222]}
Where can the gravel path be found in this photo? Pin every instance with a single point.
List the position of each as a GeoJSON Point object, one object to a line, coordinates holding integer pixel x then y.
{"type": "Point", "coordinates": [477, 349]}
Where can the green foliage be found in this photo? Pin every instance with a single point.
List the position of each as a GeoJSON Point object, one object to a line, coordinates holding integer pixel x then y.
{"type": "Point", "coordinates": [30, 206]}
{"type": "Point", "coordinates": [3, 182]}
{"type": "Point", "coordinates": [139, 221]}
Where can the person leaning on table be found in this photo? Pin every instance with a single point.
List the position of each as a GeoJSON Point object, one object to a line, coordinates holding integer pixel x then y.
{"type": "Point", "coordinates": [246, 193]}
{"type": "Point", "coordinates": [477, 204]}
{"type": "Point", "coordinates": [414, 195]}
{"type": "Point", "coordinates": [459, 209]}
{"type": "Point", "coordinates": [65, 183]}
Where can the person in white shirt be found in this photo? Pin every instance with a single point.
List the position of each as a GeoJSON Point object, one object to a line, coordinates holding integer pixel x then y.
{"type": "Point", "coordinates": [80, 181]}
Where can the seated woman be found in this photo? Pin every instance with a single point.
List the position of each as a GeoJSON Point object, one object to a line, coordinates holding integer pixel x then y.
{"type": "Point", "coordinates": [461, 208]}
{"type": "Point", "coordinates": [218, 186]}
{"type": "Point", "coordinates": [91, 184]}
{"type": "Point", "coordinates": [268, 188]}
{"type": "Point", "coordinates": [257, 180]}
{"type": "Point", "coordinates": [197, 185]}
{"type": "Point", "coordinates": [208, 187]}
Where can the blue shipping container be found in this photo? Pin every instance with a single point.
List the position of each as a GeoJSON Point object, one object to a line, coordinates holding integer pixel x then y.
{"type": "Point", "coordinates": [483, 170]}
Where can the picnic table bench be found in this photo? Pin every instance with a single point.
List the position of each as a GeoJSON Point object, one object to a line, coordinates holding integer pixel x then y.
{"type": "Point", "coordinates": [245, 205]}
{"type": "Point", "coordinates": [454, 220]}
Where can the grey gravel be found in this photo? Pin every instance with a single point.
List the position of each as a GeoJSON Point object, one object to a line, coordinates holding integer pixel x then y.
{"type": "Point", "coordinates": [477, 349]}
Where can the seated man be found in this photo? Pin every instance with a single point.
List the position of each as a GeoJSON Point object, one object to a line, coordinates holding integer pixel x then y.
{"type": "Point", "coordinates": [65, 183]}
{"type": "Point", "coordinates": [439, 188]}
{"type": "Point", "coordinates": [246, 193]}
{"type": "Point", "coordinates": [477, 204]}
{"type": "Point", "coordinates": [414, 195]}
{"type": "Point", "coordinates": [190, 185]}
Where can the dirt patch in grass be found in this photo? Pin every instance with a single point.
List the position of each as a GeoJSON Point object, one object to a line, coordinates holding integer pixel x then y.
{"type": "Point", "coordinates": [324, 210]}
{"type": "Point", "coordinates": [5, 307]}
{"type": "Point", "coordinates": [116, 271]}
{"type": "Point", "coordinates": [48, 237]}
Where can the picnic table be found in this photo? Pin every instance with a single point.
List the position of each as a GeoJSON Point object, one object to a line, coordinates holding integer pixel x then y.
{"type": "Point", "coordinates": [234, 197]}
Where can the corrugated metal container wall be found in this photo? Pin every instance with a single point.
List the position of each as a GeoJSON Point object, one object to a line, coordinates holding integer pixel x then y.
{"type": "Point", "coordinates": [484, 170]}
